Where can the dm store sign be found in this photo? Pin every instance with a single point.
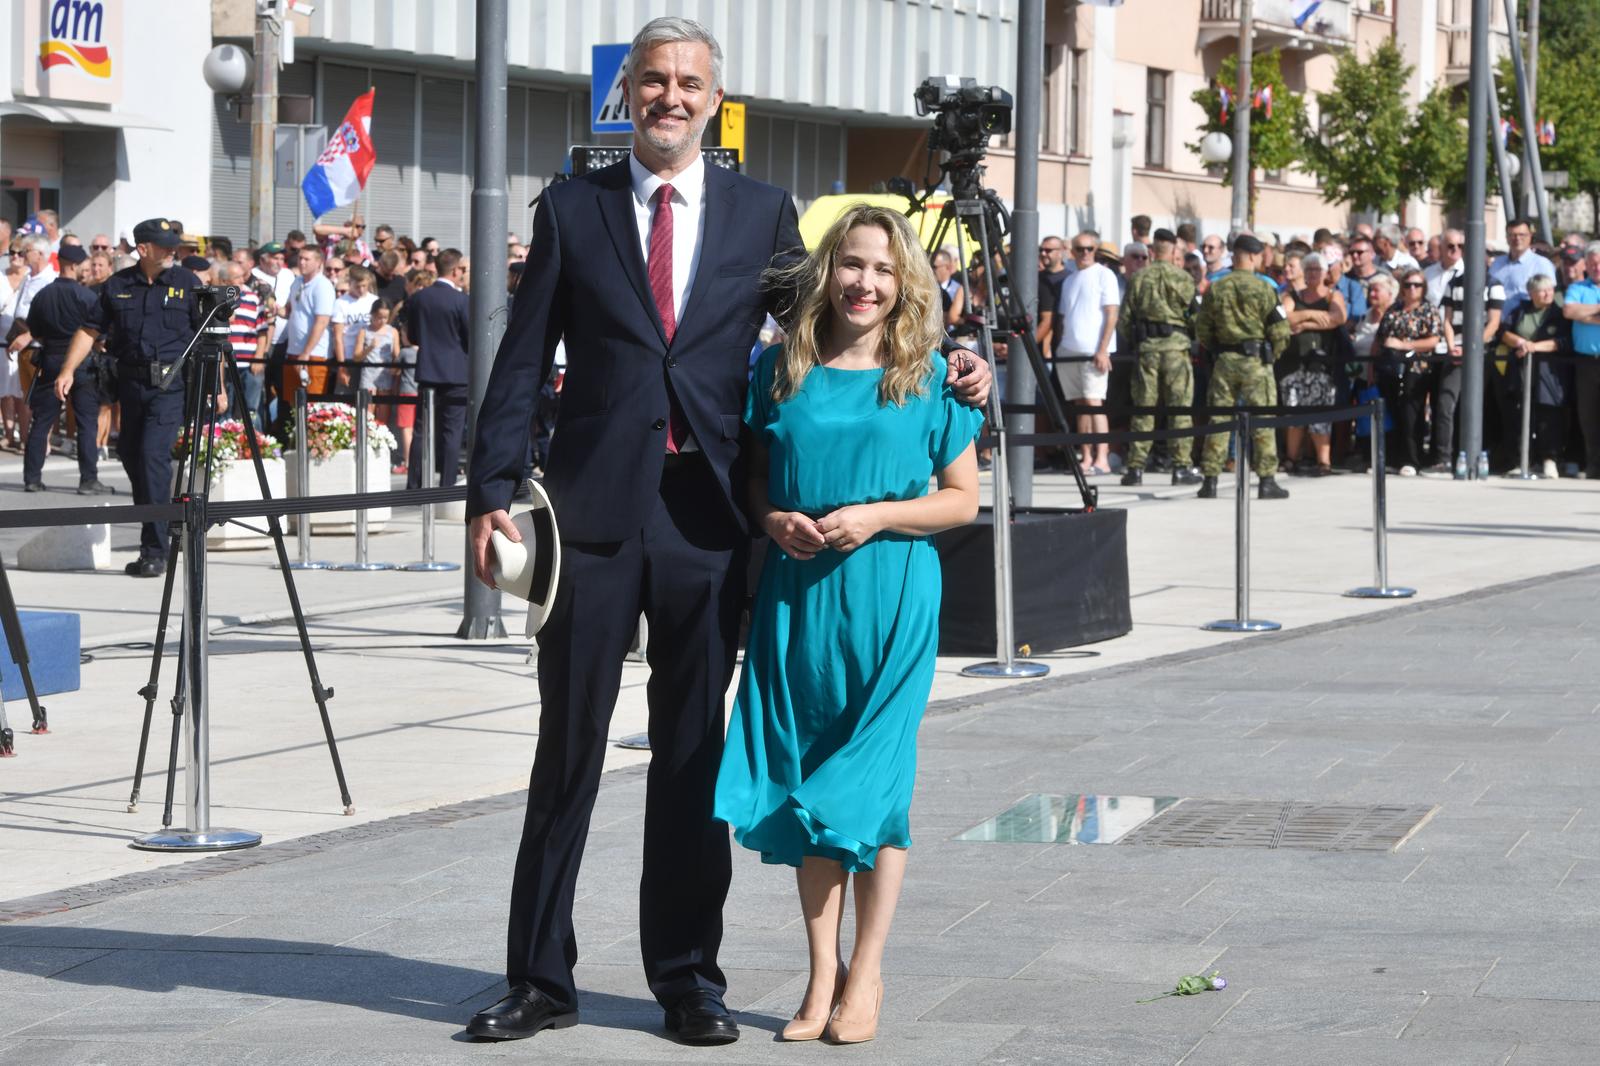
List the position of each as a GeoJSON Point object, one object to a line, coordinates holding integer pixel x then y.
{"type": "Point", "coordinates": [72, 50]}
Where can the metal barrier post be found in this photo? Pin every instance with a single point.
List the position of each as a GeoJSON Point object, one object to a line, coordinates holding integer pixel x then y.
{"type": "Point", "coordinates": [1241, 622]}
{"type": "Point", "coordinates": [1006, 664]}
{"type": "Point", "coordinates": [1525, 471]}
{"type": "Point", "coordinates": [363, 459]}
{"type": "Point", "coordinates": [429, 474]}
{"type": "Point", "coordinates": [1380, 589]}
{"type": "Point", "coordinates": [302, 468]}
{"type": "Point", "coordinates": [198, 833]}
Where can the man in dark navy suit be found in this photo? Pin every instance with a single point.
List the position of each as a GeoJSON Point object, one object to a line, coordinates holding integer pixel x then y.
{"type": "Point", "coordinates": [651, 271]}
{"type": "Point", "coordinates": [436, 322]}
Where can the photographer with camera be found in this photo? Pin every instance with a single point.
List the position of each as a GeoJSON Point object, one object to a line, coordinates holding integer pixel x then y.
{"type": "Point", "coordinates": [53, 320]}
{"type": "Point", "coordinates": [149, 313]}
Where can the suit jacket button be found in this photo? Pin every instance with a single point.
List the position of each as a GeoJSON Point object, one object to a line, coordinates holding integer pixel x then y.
{"type": "Point", "coordinates": [671, 362]}
{"type": "Point", "coordinates": [660, 423]}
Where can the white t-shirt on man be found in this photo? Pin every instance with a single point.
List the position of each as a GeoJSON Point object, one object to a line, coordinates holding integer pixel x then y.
{"type": "Point", "coordinates": [1084, 297]}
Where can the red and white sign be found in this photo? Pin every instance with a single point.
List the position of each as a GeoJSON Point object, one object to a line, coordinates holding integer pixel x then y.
{"type": "Point", "coordinates": [70, 50]}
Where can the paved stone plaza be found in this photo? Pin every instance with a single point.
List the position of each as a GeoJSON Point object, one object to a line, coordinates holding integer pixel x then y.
{"type": "Point", "coordinates": [1472, 943]}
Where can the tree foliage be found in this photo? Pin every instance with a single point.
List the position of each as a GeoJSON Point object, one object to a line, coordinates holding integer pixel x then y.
{"type": "Point", "coordinates": [1436, 147]}
{"type": "Point", "coordinates": [1567, 99]}
{"type": "Point", "coordinates": [1359, 154]}
{"type": "Point", "coordinates": [1274, 141]}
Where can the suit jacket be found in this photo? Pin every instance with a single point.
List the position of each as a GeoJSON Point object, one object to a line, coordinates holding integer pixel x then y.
{"type": "Point", "coordinates": [585, 281]}
{"type": "Point", "coordinates": [437, 323]}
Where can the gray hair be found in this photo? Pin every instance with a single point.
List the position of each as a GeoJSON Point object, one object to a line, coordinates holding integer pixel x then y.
{"type": "Point", "coordinates": [1387, 281]}
{"type": "Point", "coordinates": [669, 29]}
{"type": "Point", "coordinates": [1391, 233]}
{"type": "Point", "coordinates": [224, 271]}
{"type": "Point", "coordinates": [1540, 281]}
{"type": "Point", "coordinates": [35, 242]}
{"type": "Point", "coordinates": [1310, 260]}
{"type": "Point", "coordinates": [1592, 248]}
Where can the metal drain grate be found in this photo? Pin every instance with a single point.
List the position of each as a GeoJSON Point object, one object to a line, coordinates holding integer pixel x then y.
{"type": "Point", "coordinates": [1266, 824]}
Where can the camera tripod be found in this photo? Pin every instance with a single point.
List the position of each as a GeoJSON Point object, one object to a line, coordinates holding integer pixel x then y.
{"type": "Point", "coordinates": [973, 209]}
{"type": "Point", "coordinates": [11, 623]}
{"type": "Point", "coordinates": [202, 364]}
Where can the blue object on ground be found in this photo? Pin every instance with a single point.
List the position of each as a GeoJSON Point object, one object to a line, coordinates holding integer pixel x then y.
{"type": "Point", "coordinates": [53, 639]}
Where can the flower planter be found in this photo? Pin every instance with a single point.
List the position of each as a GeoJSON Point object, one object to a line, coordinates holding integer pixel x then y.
{"type": "Point", "coordinates": [336, 476]}
{"type": "Point", "coordinates": [236, 483]}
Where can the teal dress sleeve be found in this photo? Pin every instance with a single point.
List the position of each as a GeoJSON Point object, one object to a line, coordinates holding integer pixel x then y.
{"type": "Point", "coordinates": [758, 401]}
{"type": "Point", "coordinates": [955, 424]}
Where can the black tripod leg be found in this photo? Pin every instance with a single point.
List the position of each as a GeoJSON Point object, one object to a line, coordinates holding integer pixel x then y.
{"type": "Point", "coordinates": [12, 624]}
{"type": "Point", "coordinates": [152, 687]}
{"type": "Point", "coordinates": [275, 528]}
{"type": "Point", "coordinates": [179, 697]}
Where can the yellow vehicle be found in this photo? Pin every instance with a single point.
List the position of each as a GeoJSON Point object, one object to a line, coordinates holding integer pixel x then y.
{"type": "Point", "coordinates": [825, 211]}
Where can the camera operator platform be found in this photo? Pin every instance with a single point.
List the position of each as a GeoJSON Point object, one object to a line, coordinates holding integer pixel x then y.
{"type": "Point", "coordinates": [149, 313]}
{"type": "Point", "coordinates": [53, 320]}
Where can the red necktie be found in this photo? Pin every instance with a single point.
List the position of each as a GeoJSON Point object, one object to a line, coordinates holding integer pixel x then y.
{"type": "Point", "coordinates": [660, 269]}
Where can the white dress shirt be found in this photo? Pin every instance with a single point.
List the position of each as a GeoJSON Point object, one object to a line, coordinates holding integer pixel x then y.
{"type": "Point", "coordinates": [688, 221]}
{"type": "Point", "coordinates": [32, 285]}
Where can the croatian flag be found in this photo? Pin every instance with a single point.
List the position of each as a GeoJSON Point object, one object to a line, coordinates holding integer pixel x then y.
{"type": "Point", "coordinates": [340, 172]}
{"type": "Point", "coordinates": [1303, 10]}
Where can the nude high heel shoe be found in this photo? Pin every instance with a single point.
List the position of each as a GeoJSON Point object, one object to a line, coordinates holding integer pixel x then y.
{"type": "Point", "coordinates": [856, 1032]}
{"type": "Point", "coordinates": [811, 1029]}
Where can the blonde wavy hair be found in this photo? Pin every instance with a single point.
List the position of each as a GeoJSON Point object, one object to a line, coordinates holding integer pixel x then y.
{"type": "Point", "coordinates": [912, 331]}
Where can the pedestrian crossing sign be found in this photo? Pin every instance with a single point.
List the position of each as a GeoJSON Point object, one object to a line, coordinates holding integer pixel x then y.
{"type": "Point", "coordinates": [610, 105]}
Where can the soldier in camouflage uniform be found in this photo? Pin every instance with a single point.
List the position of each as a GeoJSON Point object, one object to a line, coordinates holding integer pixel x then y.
{"type": "Point", "coordinates": [1156, 311]}
{"type": "Point", "coordinates": [1242, 324]}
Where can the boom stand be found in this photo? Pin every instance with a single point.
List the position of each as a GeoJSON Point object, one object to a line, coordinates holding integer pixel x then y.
{"type": "Point", "coordinates": [203, 362]}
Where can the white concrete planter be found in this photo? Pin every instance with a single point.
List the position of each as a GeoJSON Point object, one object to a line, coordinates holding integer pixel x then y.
{"type": "Point", "coordinates": [238, 483]}
{"type": "Point", "coordinates": [336, 476]}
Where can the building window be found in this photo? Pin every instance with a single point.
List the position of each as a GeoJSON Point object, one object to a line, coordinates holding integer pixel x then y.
{"type": "Point", "coordinates": [1075, 101]}
{"type": "Point", "coordinates": [1155, 118]}
{"type": "Point", "coordinates": [1049, 112]}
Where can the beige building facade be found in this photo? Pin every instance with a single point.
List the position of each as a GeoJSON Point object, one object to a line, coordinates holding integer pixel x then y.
{"type": "Point", "coordinates": [1118, 113]}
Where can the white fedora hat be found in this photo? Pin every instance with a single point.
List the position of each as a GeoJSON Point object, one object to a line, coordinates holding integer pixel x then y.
{"type": "Point", "coordinates": [531, 568]}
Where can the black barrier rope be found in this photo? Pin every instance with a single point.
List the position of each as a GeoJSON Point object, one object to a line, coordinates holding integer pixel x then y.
{"type": "Point", "coordinates": [1054, 440]}
{"type": "Point", "coordinates": [218, 511]}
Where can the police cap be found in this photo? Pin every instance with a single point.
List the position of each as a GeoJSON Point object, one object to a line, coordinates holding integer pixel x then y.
{"type": "Point", "coordinates": [72, 253]}
{"type": "Point", "coordinates": [1248, 244]}
{"type": "Point", "coordinates": [196, 262]}
{"type": "Point", "coordinates": [157, 231]}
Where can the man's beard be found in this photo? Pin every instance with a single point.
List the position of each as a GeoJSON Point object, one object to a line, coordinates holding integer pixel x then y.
{"type": "Point", "coordinates": [674, 150]}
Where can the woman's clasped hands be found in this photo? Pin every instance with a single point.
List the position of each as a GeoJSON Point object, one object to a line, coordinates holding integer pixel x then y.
{"type": "Point", "coordinates": [801, 537]}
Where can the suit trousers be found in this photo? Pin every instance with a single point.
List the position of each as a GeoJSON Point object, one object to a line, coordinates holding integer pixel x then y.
{"type": "Point", "coordinates": [685, 573]}
{"type": "Point", "coordinates": [449, 429]}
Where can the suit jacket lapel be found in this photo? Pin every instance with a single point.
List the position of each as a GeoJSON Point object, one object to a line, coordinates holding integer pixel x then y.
{"type": "Point", "coordinates": [715, 214]}
{"type": "Point", "coordinates": [616, 209]}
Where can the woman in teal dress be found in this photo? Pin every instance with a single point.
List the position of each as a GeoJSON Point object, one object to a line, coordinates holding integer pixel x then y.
{"type": "Point", "coordinates": [849, 419]}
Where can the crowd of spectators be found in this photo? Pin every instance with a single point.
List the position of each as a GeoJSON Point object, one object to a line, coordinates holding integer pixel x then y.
{"type": "Point", "coordinates": [327, 313]}
{"type": "Point", "coordinates": [1376, 311]}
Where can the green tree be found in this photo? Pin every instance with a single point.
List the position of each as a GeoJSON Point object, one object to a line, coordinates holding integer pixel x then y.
{"type": "Point", "coordinates": [1566, 98]}
{"type": "Point", "coordinates": [1275, 141]}
{"type": "Point", "coordinates": [1359, 154]}
{"type": "Point", "coordinates": [1436, 147]}
{"type": "Point", "coordinates": [1568, 29]}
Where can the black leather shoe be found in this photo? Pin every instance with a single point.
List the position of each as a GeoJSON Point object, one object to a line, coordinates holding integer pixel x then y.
{"type": "Point", "coordinates": [1269, 489]}
{"type": "Point", "coordinates": [1133, 477]}
{"type": "Point", "coordinates": [700, 1018]}
{"type": "Point", "coordinates": [520, 1013]}
{"type": "Point", "coordinates": [1208, 488]}
{"type": "Point", "coordinates": [145, 568]}
{"type": "Point", "coordinates": [95, 487]}
{"type": "Point", "coordinates": [1186, 476]}
{"type": "Point", "coordinates": [33, 486]}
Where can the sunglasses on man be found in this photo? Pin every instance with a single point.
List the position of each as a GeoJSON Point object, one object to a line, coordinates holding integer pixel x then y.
{"type": "Point", "coordinates": [1083, 249]}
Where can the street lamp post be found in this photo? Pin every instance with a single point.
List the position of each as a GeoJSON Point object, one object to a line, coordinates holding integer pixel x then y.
{"type": "Point", "coordinates": [1241, 120]}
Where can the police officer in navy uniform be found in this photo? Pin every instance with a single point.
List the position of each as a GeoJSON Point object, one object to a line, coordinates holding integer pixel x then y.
{"type": "Point", "coordinates": [57, 312]}
{"type": "Point", "coordinates": [148, 314]}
